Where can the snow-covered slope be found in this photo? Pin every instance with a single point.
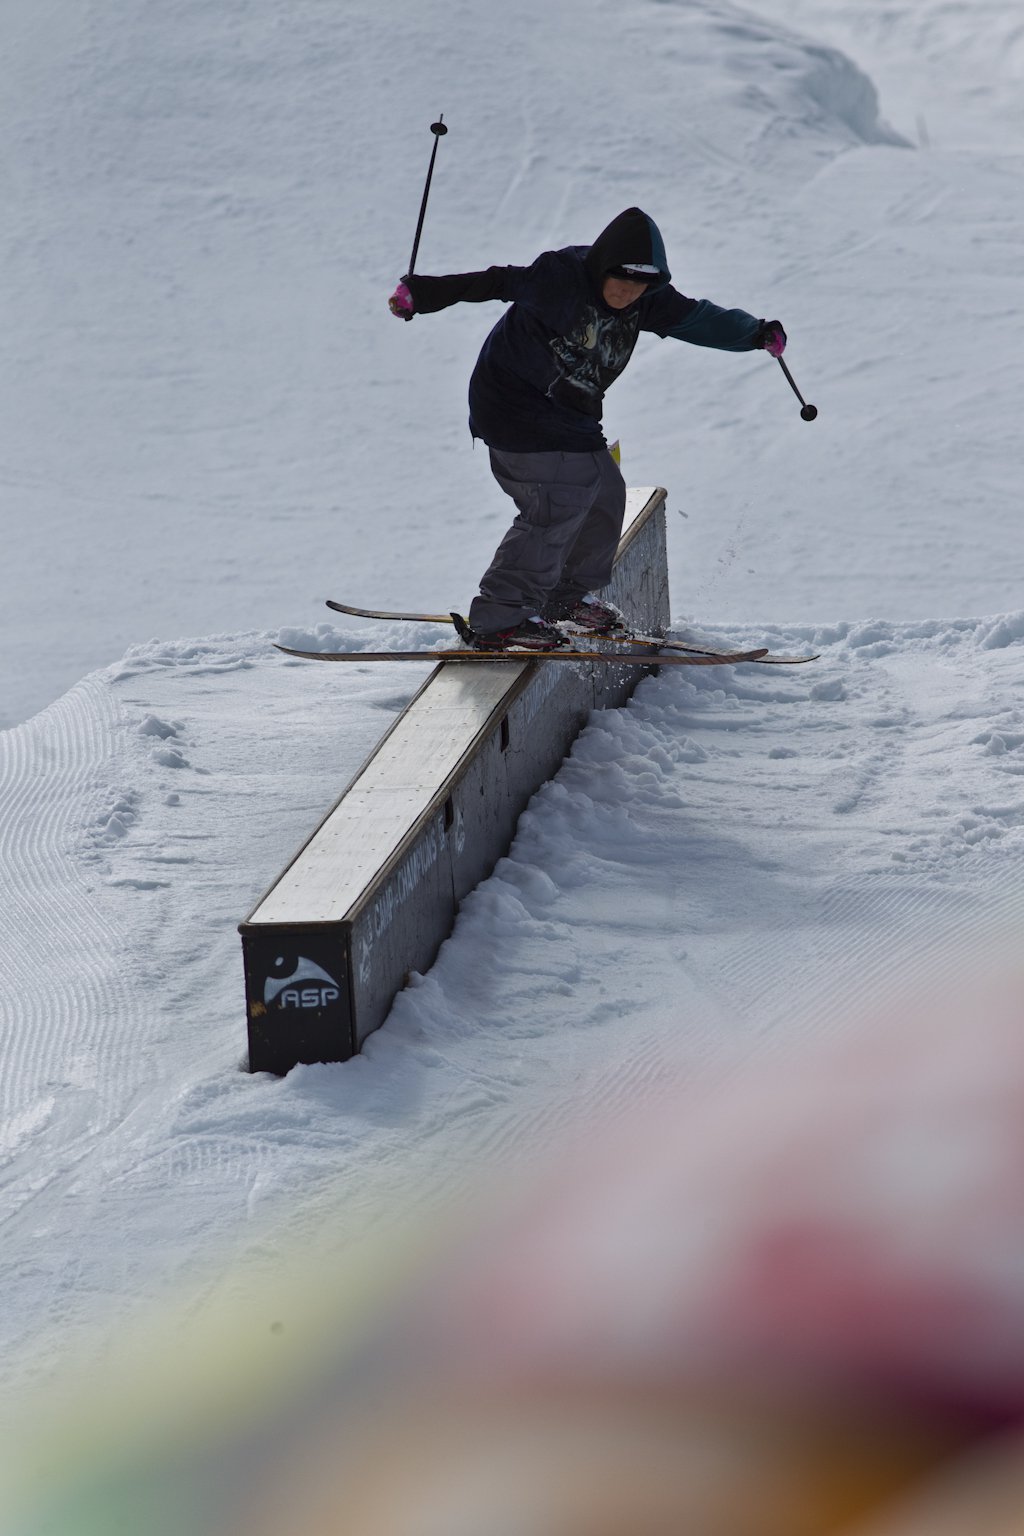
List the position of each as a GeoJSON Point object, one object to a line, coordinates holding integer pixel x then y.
{"type": "Point", "coordinates": [738, 856]}
{"type": "Point", "coordinates": [211, 422]}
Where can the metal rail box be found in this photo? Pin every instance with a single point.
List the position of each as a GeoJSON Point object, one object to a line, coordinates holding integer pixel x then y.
{"type": "Point", "coordinates": [373, 893]}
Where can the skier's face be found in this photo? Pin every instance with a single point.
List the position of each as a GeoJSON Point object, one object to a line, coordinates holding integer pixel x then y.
{"type": "Point", "coordinates": [620, 292]}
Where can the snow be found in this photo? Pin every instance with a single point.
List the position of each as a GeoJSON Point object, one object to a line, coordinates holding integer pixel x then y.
{"type": "Point", "coordinates": [211, 423]}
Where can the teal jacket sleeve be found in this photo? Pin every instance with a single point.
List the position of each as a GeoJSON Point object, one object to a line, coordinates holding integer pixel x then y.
{"type": "Point", "coordinates": [698, 321]}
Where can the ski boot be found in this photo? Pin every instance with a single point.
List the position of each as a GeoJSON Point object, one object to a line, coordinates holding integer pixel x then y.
{"type": "Point", "coordinates": [533, 634]}
{"type": "Point", "coordinates": [588, 613]}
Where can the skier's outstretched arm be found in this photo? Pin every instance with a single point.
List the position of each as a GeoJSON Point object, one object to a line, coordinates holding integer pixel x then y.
{"type": "Point", "coordinates": [416, 295]}
{"type": "Point", "coordinates": [704, 324]}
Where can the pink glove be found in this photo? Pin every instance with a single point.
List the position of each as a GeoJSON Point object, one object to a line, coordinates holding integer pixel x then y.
{"type": "Point", "coordinates": [401, 304]}
{"type": "Point", "coordinates": [772, 337]}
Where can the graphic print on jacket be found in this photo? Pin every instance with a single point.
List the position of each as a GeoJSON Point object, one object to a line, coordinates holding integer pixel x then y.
{"type": "Point", "coordinates": [591, 357]}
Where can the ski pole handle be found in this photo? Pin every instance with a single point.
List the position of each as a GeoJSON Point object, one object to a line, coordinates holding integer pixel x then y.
{"type": "Point", "coordinates": [437, 129]}
{"type": "Point", "coordinates": [809, 411]}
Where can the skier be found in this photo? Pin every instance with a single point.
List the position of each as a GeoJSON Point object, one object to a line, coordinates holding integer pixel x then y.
{"type": "Point", "coordinates": [535, 399]}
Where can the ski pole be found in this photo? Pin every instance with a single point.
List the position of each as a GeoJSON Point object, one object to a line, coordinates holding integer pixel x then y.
{"type": "Point", "coordinates": [437, 129]}
{"type": "Point", "coordinates": [809, 411]}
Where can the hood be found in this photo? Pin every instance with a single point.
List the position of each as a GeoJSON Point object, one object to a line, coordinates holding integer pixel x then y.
{"type": "Point", "coordinates": [632, 236]}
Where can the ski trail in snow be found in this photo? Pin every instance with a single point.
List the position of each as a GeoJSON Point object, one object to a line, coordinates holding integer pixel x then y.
{"type": "Point", "coordinates": [49, 769]}
{"type": "Point", "coordinates": [72, 1061]}
{"type": "Point", "coordinates": [125, 806]}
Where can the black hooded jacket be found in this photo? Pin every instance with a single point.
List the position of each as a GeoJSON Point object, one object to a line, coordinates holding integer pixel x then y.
{"type": "Point", "coordinates": [540, 379]}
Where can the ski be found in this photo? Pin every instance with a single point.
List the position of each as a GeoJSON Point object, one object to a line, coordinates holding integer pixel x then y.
{"type": "Point", "coordinates": [651, 642]}
{"type": "Point", "coordinates": [611, 658]}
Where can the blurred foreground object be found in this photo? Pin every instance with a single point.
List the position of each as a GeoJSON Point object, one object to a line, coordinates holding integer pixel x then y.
{"type": "Point", "coordinates": [788, 1305]}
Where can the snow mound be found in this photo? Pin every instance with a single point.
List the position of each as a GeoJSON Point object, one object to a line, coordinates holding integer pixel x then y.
{"type": "Point", "coordinates": [846, 98]}
{"type": "Point", "coordinates": [794, 87]}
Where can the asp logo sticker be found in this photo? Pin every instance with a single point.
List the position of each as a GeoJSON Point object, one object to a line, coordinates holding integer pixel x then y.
{"type": "Point", "coordinates": [307, 986]}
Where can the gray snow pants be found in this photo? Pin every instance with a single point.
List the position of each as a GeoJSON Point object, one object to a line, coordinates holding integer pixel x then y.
{"type": "Point", "coordinates": [562, 543]}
